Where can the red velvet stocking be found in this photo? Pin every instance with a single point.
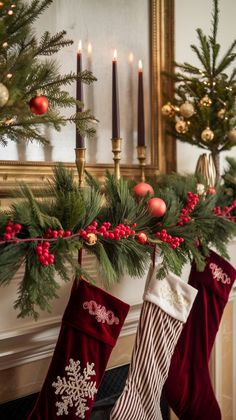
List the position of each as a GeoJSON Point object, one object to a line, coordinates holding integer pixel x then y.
{"type": "Point", "coordinates": [90, 327]}
{"type": "Point", "coordinates": [188, 388]}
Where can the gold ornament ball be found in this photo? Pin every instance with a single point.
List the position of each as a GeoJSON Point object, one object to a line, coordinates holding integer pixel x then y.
{"type": "Point", "coordinates": [186, 110]}
{"type": "Point", "coordinates": [4, 94]}
{"type": "Point", "coordinates": [207, 134]}
{"type": "Point", "coordinates": [181, 127]}
{"type": "Point", "coordinates": [205, 101]}
{"type": "Point", "coordinates": [168, 110]}
{"type": "Point", "coordinates": [91, 239]}
{"type": "Point", "coordinates": [232, 135]}
{"type": "Point", "coordinates": [221, 113]}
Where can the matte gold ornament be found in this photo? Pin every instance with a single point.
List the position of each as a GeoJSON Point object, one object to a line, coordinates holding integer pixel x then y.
{"type": "Point", "coordinates": [186, 109]}
{"type": "Point", "coordinates": [91, 239]}
{"type": "Point", "coordinates": [221, 113]}
{"type": "Point", "coordinates": [181, 127]}
{"type": "Point", "coordinates": [232, 135]}
{"type": "Point", "coordinates": [168, 110]}
{"type": "Point", "coordinates": [205, 101]}
{"type": "Point", "coordinates": [4, 94]}
{"type": "Point", "coordinates": [207, 134]}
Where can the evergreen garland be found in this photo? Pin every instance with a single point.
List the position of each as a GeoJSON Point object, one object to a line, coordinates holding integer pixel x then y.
{"type": "Point", "coordinates": [44, 235]}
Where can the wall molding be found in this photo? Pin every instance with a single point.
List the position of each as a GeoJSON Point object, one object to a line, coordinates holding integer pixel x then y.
{"type": "Point", "coordinates": [31, 343]}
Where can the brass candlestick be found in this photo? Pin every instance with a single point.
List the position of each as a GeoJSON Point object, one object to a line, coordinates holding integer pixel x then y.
{"type": "Point", "coordinates": [142, 160]}
{"type": "Point", "coordinates": [80, 163]}
{"type": "Point", "coordinates": [116, 150]}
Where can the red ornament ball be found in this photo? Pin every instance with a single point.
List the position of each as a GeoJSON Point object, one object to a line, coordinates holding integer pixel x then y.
{"type": "Point", "coordinates": [211, 190]}
{"type": "Point", "coordinates": [142, 238]}
{"type": "Point", "coordinates": [39, 105]}
{"type": "Point", "coordinates": [157, 207]}
{"type": "Point", "coordinates": [142, 189]}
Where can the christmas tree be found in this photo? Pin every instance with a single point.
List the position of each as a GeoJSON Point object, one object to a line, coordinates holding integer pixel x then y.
{"type": "Point", "coordinates": [31, 88]}
{"type": "Point", "coordinates": [202, 111]}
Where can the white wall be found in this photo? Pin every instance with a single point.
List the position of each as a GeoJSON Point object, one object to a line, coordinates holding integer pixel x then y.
{"type": "Point", "coordinates": [190, 15]}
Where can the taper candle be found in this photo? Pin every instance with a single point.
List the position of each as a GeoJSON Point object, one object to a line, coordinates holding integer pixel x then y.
{"type": "Point", "coordinates": [141, 125]}
{"type": "Point", "coordinates": [115, 100]}
{"type": "Point", "coordinates": [79, 94]}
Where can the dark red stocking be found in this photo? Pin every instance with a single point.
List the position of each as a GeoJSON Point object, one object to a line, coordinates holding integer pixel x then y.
{"type": "Point", "coordinates": [188, 388]}
{"type": "Point", "coordinates": [90, 327]}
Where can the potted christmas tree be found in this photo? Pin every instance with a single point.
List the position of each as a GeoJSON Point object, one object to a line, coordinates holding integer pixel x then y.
{"type": "Point", "coordinates": [202, 111]}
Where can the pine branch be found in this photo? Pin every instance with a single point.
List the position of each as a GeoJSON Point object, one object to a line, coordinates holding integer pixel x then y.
{"type": "Point", "coordinates": [214, 45]}
{"type": "Point", "coordinates": [204, 54]}
{"type": "Point", "coordinates": [27, 14]}
{"type": "Point", "coordinates": [227, 59]}
{"type": "Point", "coordinates": [31, 77]}
{"type": "Point", "coordinates": [52, 44]}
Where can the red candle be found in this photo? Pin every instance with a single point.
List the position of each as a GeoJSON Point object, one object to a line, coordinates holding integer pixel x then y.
{"type": "Point", "coordinates": [79, 94]}
{"type": "Point", "coordinates": [115, 100]}
{"type": "Point", "coordinates": [141, 126]}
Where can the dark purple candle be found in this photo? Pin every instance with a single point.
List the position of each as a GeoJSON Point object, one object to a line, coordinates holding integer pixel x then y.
{"type": "Point", "coordinates": [115, 100]}
{"type": "Point", "coordinates": [141, 126]}
{"type": "Point", "coordinates": [79, 94]}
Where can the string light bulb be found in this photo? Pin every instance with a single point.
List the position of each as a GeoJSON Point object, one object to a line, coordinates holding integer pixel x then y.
{"type": "Point", "coordinates": [9, 75]}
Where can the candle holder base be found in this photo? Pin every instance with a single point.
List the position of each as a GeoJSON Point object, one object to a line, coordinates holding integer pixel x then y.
{"type": "Point", "coordinates": [80, 163]}
{"type": "Point", "coordinates": [142, 160]}
{"type": "Point", "coordinates": [116, 150]}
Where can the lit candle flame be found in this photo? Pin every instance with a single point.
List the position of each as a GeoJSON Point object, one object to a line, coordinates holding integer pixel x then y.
{"type": "Point", "coordinates": [140, 66]}
{"type": "Point", "coordinates": [80, 46]}
{"type": "Point", "coordinates": [131, 57]}
{"type": "Point", "coordinates": [115, 55]}
{"type": "Point", "coordinates": [89, 48]}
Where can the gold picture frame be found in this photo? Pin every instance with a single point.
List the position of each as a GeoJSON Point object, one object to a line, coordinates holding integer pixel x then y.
{"type": "Point", "coordinates": [163, 149]}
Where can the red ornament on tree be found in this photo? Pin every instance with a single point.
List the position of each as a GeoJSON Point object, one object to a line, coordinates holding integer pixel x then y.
{"type": "Point", "coordinates": [142, 238]}
{"type": "Point", "coordinates": [39, 105]}
{"type": "Point", "coordinates": [142, 189]}
{"type": "Point", "coordinates": [157, 207]}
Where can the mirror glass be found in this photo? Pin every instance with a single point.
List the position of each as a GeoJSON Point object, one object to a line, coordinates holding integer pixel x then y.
{"type": "Point", "coordinates": [102, 26]}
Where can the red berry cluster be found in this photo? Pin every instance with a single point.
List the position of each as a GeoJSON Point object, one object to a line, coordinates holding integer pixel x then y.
{"type": "Point", "coordinates": [192, 201]}
{"type": "Point", "coordinates": [44, 256]}
{"type": "Point", "coordinates": [60, 233]}
{"type": "Point", "coordinates": [12, 229]}
{"type": "Point", "coordinates": [173, 241]}
{"type": "Point", "coordinates": [120, 231]}
{"type": "Point", "coordinates": [226, 210]}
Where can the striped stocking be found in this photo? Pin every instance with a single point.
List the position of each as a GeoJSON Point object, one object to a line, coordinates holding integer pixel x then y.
{"type": "Point", "coordinates": [166, 306]}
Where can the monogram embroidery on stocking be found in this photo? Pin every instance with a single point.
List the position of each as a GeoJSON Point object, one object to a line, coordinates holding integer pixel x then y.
{"type": "Point", "coordinates": [218, 274]}
{"type": "Point", "coordinates": [101, 313]}
{"type": "Point", "coordinates": [172, 296]}
{"type": "Point", "coordinates": [75, 389]}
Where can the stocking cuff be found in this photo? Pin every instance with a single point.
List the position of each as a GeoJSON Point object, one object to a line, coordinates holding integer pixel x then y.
{"type": "Point", "coordinates": [172, 295]}
{"type": "Point", "coordinates": [96, 312]}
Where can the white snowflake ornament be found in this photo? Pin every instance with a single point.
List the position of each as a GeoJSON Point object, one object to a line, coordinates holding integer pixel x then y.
{"type": "Point", "coordinates": [76, 389]}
